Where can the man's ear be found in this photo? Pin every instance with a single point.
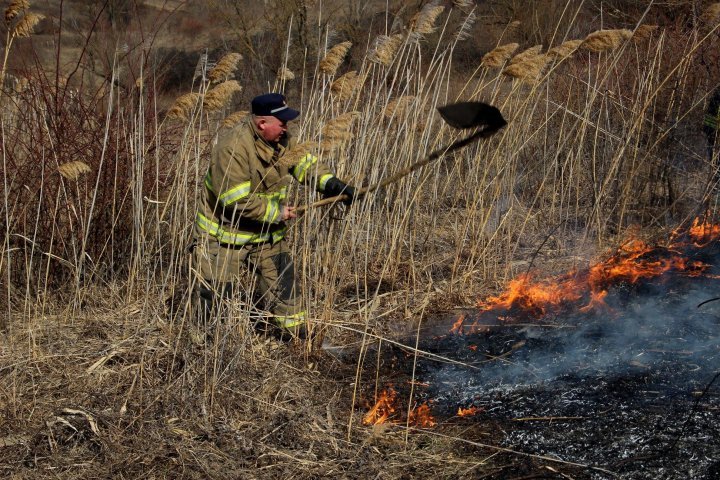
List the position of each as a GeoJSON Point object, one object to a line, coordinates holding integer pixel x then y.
{"type": "Point", "coordinates": [261, 124]}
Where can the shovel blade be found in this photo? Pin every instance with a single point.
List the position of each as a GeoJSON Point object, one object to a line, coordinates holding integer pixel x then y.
{"type": "Point", "coordinates": [471, 115]}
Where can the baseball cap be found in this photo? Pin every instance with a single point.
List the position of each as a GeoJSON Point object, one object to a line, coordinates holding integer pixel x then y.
{"type": "Point", "coordinates": [273, 104]}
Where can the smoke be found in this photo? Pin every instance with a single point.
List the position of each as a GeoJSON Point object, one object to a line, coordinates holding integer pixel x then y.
{"type": "Point", "coordinates": [652, 330]}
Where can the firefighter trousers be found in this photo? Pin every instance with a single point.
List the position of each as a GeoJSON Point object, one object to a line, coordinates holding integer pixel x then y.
{"type": "Point", "coordinates": [222, 269]}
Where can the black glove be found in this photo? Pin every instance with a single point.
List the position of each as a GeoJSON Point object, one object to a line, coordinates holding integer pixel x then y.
{"type": "Point", "coordinates": [335, 187]}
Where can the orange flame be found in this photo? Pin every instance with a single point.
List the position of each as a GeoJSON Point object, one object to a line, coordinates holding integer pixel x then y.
{"type": "Point", "coordinates": [633, 261]}
{"type": "Point", "coordinates": [384, 408]}
{"type": "Point", "coordinates": [468, 412]}
{"type": "Point", "coordinates": [422, 417]}
{"type": "Point", "coordinates": [702, 233]}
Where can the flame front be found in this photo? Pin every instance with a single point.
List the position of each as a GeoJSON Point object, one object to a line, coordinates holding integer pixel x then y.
{"type": "Point", "coordinates": [422, 417]}
{"type": "Point", "coordinates": [633, 261]}
{"type": "Point", "coordinates": [384, 408]}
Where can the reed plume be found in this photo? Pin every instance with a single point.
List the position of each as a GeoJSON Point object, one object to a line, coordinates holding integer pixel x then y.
{"type": "Point", "coordinates": [219, 96]}
{"type": "Point", "coordinates": [565, 49]}
{"type": "Point", "coordinates": [603, 40]}
{"type": "Point", "coordinates": [340, 126]}
{"type": "Point", "coordinates": [234, 118]}
{"type": "Point", "coordinates": [529, 69]}
{"type": "Point", "coordinates": [526, 54]}
{"type": "Point", "coordinates": [25, 26]}
{"type": "Point", "coordinates": [183, 106]}
{"type": "Point", "coordinates": [399, 106]}
{"type": "Point", "coordinates": [463, 32]}
{"type": "Point", "coordinates": [15, 8]}
{"type": "Point", "coordinates": [499, 55]}
{"type": "Point", "coordinates": [346, 85]}
{"type": "Point", "coordinates": [385, 48]}
{"type": "Point", "coordinates": [73, 170]}
{"type": "Point", "coordinates": [285, 74]}
{"type": "Point", "coordinates": [644, 31]}
{"type": "Point", "coordinates": [423, 22]}
{"type": "Point", "coordinates": [225, 68]}
{"type": "Point", "coordinates": [295, 153]}
{"type": "Point", "coordinates": [334, 58]}
{"type": "Point", "coordinates": [338, 131]}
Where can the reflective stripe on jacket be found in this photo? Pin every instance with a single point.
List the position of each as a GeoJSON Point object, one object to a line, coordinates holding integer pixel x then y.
{"type": "Point", "coordinates": [246, 187]}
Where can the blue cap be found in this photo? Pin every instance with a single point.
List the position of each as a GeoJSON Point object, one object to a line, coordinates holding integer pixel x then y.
{"type": "Point", "coordinates": [273, 104]}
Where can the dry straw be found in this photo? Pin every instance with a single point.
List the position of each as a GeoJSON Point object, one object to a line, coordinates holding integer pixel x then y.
{"type": "Point", "coordinates": [25, 26]}
{"type": "Point", "coordinates": [423, 22]}
{"type": "Point", "coordinates": [565, 49]}
{"type": "Point", "coordinates": [225, 68]}
{"type": "Point", "coordinates": [711, 15]}
{"type": "Point", "coordinates": [183, 106]}
{"type": "Point", "coordinates": [221, 95]}
{"type": "Point", "coordinates": [15, 8]}
{"type": "Point", "coordinates": [73, 170]}
{"type": "Point", "coordinates": [603, 40]}
{"type": "Point", "coordinates": [499, 55]}
{"type": "Point", "coordinates": [529, 69]}
{"type": "Point", "coordinates": [345, 86]}
{"type": "Point", "coordinates": [285, 74]}
{"type": "Point", "coordinates": [526, 54]}
{"type": "Point", "coordinates": [385, 49]}
{"type": "Point", "coordinates": [234, 118]}
{"type": "Point", "coordinates": [334, 58]}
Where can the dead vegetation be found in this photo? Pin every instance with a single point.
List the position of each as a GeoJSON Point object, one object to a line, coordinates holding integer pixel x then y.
{"type": "Point", "coordinates": [103, 370]}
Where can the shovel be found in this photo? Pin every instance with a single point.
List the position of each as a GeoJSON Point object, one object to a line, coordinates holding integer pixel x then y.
{"type": "Point", "coordinates": [463, 115]}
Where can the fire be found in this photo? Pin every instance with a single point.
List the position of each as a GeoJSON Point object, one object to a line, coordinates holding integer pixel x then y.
{"type": "Point", "coordinates": [633, 261]}
{"type": "Point", "coordinates": [422, 417]}
{"type": "Point", "coordinates": [468, 412]}
{"type": "Point", "coordinates": [384, 408]}
{"type": "Point", "coordinates": [703, 232]}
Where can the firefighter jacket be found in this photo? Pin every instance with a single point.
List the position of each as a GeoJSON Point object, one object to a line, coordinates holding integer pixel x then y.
{"type": "Point", "coordinates": [246, 187]}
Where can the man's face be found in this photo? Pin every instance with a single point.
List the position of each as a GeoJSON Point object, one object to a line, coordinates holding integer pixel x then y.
{"type": "Point", "coordinates": [271, 128]}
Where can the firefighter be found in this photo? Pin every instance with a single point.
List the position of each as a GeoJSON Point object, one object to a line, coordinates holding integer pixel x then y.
{"type": "Point", "coordinates": [241, 221]}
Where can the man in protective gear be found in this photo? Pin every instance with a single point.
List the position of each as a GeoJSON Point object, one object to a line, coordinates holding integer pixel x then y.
{"type": "Point", "coordinates": [240, 222]}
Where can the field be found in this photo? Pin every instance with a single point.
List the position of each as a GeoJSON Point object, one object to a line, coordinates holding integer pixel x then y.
{"type": "Point", "coordinates": [108, 113]}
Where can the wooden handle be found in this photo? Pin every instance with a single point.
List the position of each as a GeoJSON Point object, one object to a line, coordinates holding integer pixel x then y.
{"type": "Point", "coordinates": [484, 133]}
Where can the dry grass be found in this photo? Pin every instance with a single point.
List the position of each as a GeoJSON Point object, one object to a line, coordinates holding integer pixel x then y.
{"type": "Point", "coordinates": [104, 370]}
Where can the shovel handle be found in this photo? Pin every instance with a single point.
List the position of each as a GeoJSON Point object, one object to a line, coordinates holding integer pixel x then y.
{"type": "Point", "coordinates": [484, 133]}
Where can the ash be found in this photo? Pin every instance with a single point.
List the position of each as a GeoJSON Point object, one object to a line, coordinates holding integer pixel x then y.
{"type": "Point", "coordinates": [632, 390]}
